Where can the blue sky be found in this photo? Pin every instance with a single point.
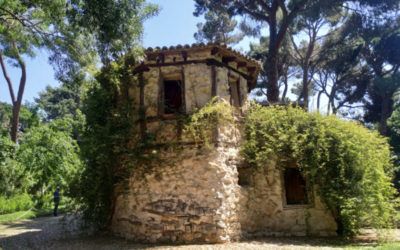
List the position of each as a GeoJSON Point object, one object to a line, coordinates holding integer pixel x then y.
{"type": "Point", "coordinates": [174, 25]}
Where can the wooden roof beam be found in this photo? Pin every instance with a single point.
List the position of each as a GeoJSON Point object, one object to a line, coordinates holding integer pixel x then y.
{"type": "Point", "coordinates": [228, 59]}
{"type": "Point", "coordinates": [214, 51]}
{"type": "Point", "coordinates": [241, 64]}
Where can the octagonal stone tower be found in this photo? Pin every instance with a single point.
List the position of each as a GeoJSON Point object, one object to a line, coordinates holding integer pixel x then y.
{"type": "Point", "coordinates": [191, 194]}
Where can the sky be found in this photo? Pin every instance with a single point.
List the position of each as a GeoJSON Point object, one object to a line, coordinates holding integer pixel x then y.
{"type": "Point", "coordinates": [175, 24]}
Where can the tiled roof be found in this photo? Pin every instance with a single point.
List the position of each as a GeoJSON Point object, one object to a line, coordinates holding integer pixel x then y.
{"type": "Point", "coordinates": [195, 46]}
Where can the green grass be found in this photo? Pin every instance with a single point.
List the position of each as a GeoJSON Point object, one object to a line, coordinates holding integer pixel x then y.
{"type": "Point", "coordinates": [21, 215]}
{"type": "Point", "coordinates": [29, 214]}
{"type": "Point", "coordinates": [384, 246]}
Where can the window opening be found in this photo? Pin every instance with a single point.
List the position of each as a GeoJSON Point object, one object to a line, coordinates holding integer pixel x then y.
{"type": "Point", "coordinates": [295, 187]}
{"type": "Point", "coordinates": [235, 93]}
{"type": "Point", "coordinates": [172, 96]}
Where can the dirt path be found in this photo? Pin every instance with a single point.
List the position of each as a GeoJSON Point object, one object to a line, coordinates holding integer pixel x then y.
{"type": "Point", "coordinates": [63, 233]}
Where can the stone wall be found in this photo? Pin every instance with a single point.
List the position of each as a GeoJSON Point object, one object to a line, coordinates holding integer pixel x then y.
{"type": "Point", "coordinates": [263, 210]}
{"type": "Point", "coordinates": [190, 195]}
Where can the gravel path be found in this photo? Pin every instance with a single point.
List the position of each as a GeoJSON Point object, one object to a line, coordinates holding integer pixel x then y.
{"type": "Point", "coordinates": [64, 233]}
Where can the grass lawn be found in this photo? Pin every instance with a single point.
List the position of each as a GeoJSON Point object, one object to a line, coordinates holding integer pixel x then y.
{"type": "Point", "coordinates": [383, 246]}
{"type": "Point", "coordinates": [29, 214]}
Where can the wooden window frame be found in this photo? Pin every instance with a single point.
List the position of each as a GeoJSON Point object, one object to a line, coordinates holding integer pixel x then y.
{"type": "Point", "coordinates": [309, 191]}
{"type": "Point", "coordinates": [235, 81]}
{"type": "Point", "coordinates": [161, 95]}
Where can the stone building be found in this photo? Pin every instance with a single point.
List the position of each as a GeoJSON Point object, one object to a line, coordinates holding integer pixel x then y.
{"type": "Point", "coordinates": [200, 194]}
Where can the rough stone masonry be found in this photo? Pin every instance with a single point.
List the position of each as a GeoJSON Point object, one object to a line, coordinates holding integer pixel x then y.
{"type": "Point", "coordinates": [200, 194]}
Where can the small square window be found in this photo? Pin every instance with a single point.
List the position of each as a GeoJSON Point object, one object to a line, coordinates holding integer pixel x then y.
{"type": "Point", "coordinates": [295, 187]}
{"type": "Point", "coordinates": [172, 96]}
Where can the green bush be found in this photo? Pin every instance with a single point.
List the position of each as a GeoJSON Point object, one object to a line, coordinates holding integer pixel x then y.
{"type": "Point", "coordinates": [51, 158]}
{"type": "Point", "coordinates": [12, 177]}
{"type": "Point", "coordinates": [20, 202]}
{"type": "Point", "coordinates": [203, 121]}
{"type": "Point", "coordinates": [349, 165]}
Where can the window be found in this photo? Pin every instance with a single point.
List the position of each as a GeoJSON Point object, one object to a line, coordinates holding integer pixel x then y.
{"type": "Point", "coordinates": [235, 93]}
{"type": "Point", "coordinates": [172, 96]}
{"type": "Point", "coordinates": [295, 187]}
{"type": "Point", "coordinates": [244, 176]}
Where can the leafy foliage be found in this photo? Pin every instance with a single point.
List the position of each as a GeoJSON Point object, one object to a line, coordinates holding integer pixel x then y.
{"type": "Point", "coordinates": [203, 121]}
{"type": "Point", "coordinates": [349, 166]}
{"type": "Point", "coordinates": [218, 28]}
{"type": "Point", "coordinates": [106, 137]}
{"type": "Point", "coordinates": [15, 203]}
{"type": "Point", "coordinates": [278, 17]}
{"type": "Point", "coordinates": [12, 177]}
{"type": "Point", "coordinates": [76, 33]}
{"type": "Point", "coordinates": [29, 117]}
{"type": "Point", "coordinates": [50, 158]}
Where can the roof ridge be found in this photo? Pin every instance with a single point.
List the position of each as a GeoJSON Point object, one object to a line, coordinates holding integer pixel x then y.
{"type": "Point", "coordinates": [199, 45]}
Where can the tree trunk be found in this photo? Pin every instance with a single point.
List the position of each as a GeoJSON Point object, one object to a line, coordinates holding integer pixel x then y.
{"type": "Point", "coordinates": [272, 61]}
{"type": "Point", "coordinates": [285, 89]}
{"type": "Point", "coordinates": [15, 121]}
{"type": "Point", "coordinates": [385, 114]}
{"type": "Point", "coordinates": [305, 85]}
{"type": "Point", "coordinates": [319, 100]}
{"type": "Point", "coordinates": [18, 102]}
{"type": "Point", "coordinates": [272, 73]}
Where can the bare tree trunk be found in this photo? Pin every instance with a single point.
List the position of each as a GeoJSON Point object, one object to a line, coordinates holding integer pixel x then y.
{"type": "Point", "coordinates": [305, 85]}
{"type": "Point", "coordinates": [319, 100]}
{"type": "Point", "coordinates": [385, 114]}
{"type": "Point", "coordinates": [286, 86]}
{"type": "Point", "coordinates": [272, 62]}
{"type": "Point", "coordinates": [329, 106]}
{"type": "Point", "coordinates": [16, 101]}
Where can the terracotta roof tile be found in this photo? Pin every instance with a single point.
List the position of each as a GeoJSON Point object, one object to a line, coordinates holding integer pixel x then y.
{"type": "Point", "coordinates": [200, 45]}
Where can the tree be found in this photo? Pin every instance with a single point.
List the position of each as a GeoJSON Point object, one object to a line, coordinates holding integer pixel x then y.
{"type": "Point", "coordinates": [74, 32]}
{"type": "Point", "coordinates": [12, 176]}
{"type": "Point", "coordinates": [341, 76]}
{"type": "Point", "coordinates": [286, 65]}
{"type": "Point", "coordinates": [218, 28]}
{"type": "Point", "coordinates": [50, 157]}
{"type": "Point", "coordinates": [29, 117]}
{"type": "Point", "coordinates": [58, 102]}
{"type": "Point", "coordinates": [311, 29]}
{"type": "Point", "coordinates": [279, 15]}
{"type": "Point", "coordinates": [382, 54]}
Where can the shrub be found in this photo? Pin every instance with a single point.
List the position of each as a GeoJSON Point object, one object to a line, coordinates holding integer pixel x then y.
{"type": "Point", "coordinates": [20, 202]}
{"type": "Point", "coordinates": [203, 121]}
{"type": "Point", "coordinates": [12, 177]}
{"type": "Point", "coordinates": [51, 158]}
{"type": "Point", "coordinates": [350, 165]}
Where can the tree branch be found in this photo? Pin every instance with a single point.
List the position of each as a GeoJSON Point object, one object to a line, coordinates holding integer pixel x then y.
{"type": "Point", "coordinates": [8, 79]}
{"type": "Point", "coordinates": [264, 5]}
{"type": "Point", "coordinates": [255, 14]}
{"type": "Point", "coordinates": [22, 81]}
{"type": "Point", "coordinates": [283, 8]}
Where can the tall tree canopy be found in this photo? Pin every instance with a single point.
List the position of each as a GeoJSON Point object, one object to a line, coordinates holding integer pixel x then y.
{"type": "Point", "coordinates": [75, 33]}
{"type": "Point", "coordinates": [219, 27]}
{"type": "Point", "coordinates": [278, 16]}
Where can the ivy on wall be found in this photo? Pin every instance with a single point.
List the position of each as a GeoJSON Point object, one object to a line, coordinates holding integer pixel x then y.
{"type": "Point", "coordinates": [106, 141]}
{"type": "Point", "coordinates": [113, 144]}
{"type": "Point", "coordinates": [203, 122]}
{"type": "Point", "coordinates": [349, 165]}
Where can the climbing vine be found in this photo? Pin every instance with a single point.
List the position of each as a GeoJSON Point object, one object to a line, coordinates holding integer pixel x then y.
{"type": "Point", "coordinates": [205, 120]}
{"type": "Point", "coordinates": [107, 137]}
{"type": "Point", "coordinates": [349, 165]}
{"type": "Point", "coordinates": [113, 145]}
